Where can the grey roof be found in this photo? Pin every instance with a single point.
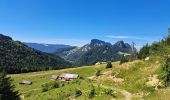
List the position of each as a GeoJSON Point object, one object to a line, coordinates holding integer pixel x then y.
{"type": "Point", "coordinates": [66, 75]}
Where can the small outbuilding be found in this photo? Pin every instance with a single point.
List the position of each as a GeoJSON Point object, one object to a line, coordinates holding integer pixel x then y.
{"type": "Point", "coordinates": [54, 77]}
{"type": "Point", "coordinates": [67, 77]}
{"type": "Point", "coordinates": [25, 82]}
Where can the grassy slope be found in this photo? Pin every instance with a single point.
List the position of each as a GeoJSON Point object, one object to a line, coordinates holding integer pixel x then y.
{"type": "Point", "coordinates": [33, 92]}
{"type": "Point", "coordinates": [135, 75]}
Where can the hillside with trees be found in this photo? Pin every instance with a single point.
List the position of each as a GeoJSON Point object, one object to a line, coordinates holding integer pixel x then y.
{"type": "Point", "coordinates": [138, 79]}
{"type": "Point", "coordinates": [95, 51]}
{"type": "Point", "coordinates": [15, 57]}
{"type": "Point", "coordinates": [159, 49]}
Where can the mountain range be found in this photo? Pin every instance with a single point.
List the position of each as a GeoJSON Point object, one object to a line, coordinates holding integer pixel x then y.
{"type": "Point", "coordinates": [48, 48]}
{"type": "Point", "coordinates": [95, 51]}
{"type": "Point", "coordinates": [18, 57]}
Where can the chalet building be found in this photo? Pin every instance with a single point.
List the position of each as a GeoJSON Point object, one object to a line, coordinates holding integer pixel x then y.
{"type": "Point", "coordinates": [68, 77]}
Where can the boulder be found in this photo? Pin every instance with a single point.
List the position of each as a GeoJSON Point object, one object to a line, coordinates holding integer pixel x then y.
{"type": "Point", "coordinates": [147, 58]}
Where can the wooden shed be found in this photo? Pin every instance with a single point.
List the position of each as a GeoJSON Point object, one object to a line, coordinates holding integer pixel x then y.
{"type": "Point", "coordinates": [25, 82]}
{"type": "Point", "coordinates": [66, 76]}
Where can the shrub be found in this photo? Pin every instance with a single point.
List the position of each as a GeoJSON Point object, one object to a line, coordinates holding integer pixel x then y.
{"type": "Point", "coordinates": [78, 93]}
{"type": "Point", "coordinates": [109, 65]}
{"type": "Point", "coordinates": [54, 85]}
{"type": "Point", "coordinates": [49, 86]}
{"type": "Point", "coordinates": [62, 84]}
{"type": "Point", "coordinates": [144, 52]}
{"type": "Point", "coordinates": [123, 60]}
{"type": "Point", "coordinates": [166, 72]}
{"type": "Point", "coordinates": [109, 92]}
{"type": "Point", "coordinates": [91, 92]}
{"type": "Point", "coordinates": [44, 88]}
{"type": "Point", "coordinates": [98, 72]}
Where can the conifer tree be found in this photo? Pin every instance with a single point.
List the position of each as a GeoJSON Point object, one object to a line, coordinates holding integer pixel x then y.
{"type": "Point", "coordinates": [7, 91]}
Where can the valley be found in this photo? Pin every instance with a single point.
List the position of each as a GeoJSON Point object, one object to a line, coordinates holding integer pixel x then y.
{"type": "Point", "coordinates": [84, 50]}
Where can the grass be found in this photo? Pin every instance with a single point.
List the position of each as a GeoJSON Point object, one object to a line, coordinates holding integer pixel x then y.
{"type": "Point", "coordinates": [67, 91]}
{"type": "Point", "coordinates": [135, 75]}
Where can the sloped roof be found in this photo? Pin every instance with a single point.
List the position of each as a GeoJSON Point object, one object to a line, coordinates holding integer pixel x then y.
{"type": "Point", "coordinates": [66, 75]}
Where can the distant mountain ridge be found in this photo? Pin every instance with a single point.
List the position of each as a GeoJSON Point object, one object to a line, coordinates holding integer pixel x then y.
{"type": "Point", "coordinates": [95, 51]}
{"type": "Point", "coordinates": [16, 57]}
{"type": "Point", "coordinates": [48, 48]}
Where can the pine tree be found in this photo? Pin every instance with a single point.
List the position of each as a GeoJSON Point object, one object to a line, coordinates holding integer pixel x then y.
{"type": "Point", "coordinates": [144, 51]}
{"type": "Point", "coordinates": [168, 38]}
{"type": "Point", "coordinates": [7, 91]}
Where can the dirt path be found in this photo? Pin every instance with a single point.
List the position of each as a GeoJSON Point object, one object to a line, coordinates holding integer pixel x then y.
{"type": "Point", "coordinates": [127, 94]}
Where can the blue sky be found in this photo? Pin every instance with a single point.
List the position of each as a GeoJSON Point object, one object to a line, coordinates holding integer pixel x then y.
{"type": "Point", "coordinates": [76, 22]}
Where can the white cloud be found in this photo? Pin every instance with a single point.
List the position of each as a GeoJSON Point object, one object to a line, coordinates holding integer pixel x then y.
{"type": "Point", "coordinates": [127, 37]}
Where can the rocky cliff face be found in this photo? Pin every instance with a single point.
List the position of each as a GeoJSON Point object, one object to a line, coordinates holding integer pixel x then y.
{"type": "Point", "coordinates": [95, 51]}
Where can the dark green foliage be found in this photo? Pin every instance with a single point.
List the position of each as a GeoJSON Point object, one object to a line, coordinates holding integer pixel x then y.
{"type": "Point", "coordinates": [144, 52]}
{"type": "Point", "coordinates": [55, 85]}
{"type": "Point", "coordinates": [78, 93]}
{"type": "Point", "coordinates": [91, 92]}
{"type": "Point", "coordinates": [157, 48]}
{"type": "Point", "coordinates": [109, 92]}
{"type": "Point", "coordinates": [49, 86]}
{"type": "Point", "coordinates": [109, 65]}
{"type": "Point", "coordinates": [98, 72]}
{"type": "Point", "coordinates": [44, 88]}
{"type": "Point", "coordinates": [168, 37]}
{"type": "Point", "coordinates": [7, 91]}
{"type": "Point", "coordinates": [124, 60]}
{"type": "Point", "coordinates": [166, 72]}
{"type": "Point", "coordinates": [15, 57]}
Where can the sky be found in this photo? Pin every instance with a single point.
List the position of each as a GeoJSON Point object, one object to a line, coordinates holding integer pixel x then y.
{"type": "Point", "coordinates": [76, 22]}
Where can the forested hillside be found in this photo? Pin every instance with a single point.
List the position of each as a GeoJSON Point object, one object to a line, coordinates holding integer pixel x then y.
{"type": "Point", "coordinates": [15, 57]}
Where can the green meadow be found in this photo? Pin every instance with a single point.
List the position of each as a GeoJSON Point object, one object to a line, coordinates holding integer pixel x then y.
{"type": "Point", "coordinates": [133, 87]}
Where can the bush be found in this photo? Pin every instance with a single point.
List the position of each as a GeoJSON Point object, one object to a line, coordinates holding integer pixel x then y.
{"type": "Point", "coordinates": [123, 60]}
{"type": "Point", "coordinates": [109, 92]}
{"type": "Point", "coordinates": [109, 65]}
{"type": "Point", "coordinates": [98, 72]}
{"type": "Point", "coordinates": [54, 85]}
{"type": "Point", "coordinates": [144, 52]}
{"type": "Point", "coordinates": [44, 88]}
{"type": "Point", "coordinates": [166, 72]}
{"type": "Point", "coordinates": [91, 92]}
{"type": "Point", "coordinates": [78, 93]}
{"type": "Point", "coordinates": [49, 86]}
